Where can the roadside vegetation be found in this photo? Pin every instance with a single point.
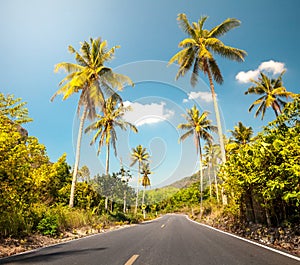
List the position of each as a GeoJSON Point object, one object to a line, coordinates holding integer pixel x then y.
{"type": "Point", "coordinates": [246, 184]}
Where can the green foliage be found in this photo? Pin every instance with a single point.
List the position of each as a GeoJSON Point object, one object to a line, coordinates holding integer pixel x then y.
{"type": "Point", "coordinates": [262, 178]}
{"type": "Point", "coordinates": [113, 188]}
{"type": "Point", "coordinates": [13, 109]}
{"type": "Point", "coordinates": [48, 225]}
{"type": "Point", "coordinates": [158, 195]}
{"type": "Point", "coordinates": [185, 197]}
{"type": "Point", "coordinates": [30, 184]}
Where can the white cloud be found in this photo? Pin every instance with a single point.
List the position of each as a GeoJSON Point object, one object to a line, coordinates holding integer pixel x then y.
{"type": "Point", "coordinates": [148, 113]}
{"type": "Point", "coordinates": [245, 77]}
{"type": "Point", "coordinates": [206, 96]}
{"type": "Point", "coordinates": [185, 100]}
{"type": "Point", "coordinates": [269, 66]}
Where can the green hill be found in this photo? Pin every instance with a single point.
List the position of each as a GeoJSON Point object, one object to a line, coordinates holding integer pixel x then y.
{"type": "Point", "coordinates": [160, 194]}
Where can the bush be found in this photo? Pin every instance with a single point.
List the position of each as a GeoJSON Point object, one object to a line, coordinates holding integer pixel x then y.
{"type": "Point", "coordinates": [49, 225]}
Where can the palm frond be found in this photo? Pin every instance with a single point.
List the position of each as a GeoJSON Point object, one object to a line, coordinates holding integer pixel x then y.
{"type": "Point", "coordinates": [229, 52]}
{"type": "Point", "coordinates": [215, 71]}
{"type": "Point", "coordinates": [186, 135]}
{"type": "Point", "coordinates": [187, 42]}
{"type": "Point", "coordinates": [68, 67]}
{"type": "Point", "coordinates": [201, 22]}
{"type": "Point", "coordinates": [185, 126]}
{"type": "Point", "coordinates": [178, 56]}
{"type": "Point", "coordinates": [86, 51]}
{"type": "Point", "coordinates": [195, 73]}
{"type": "Point", "coordinates": [224, 27]}
{"type": "Point", "coordinates": [261, 110]}
{"type": "Point", "coordinates": [185, 25]}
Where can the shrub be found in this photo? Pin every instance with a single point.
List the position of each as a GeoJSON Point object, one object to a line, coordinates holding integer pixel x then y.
{"type": "Point", "coordinates": [49, 225]}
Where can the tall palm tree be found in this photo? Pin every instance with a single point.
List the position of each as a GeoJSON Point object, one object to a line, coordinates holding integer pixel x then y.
{"type": "Point", "coordinates": [197, 54]}
{"type": "Point", "coordinates": [199, 126]}
{"type": "Point", "coordinates": [138, 154]}
{"type": "Point", "coordinates": [271, 92]}
{"type": "Point", "coordinates": [106, 124]}
{"type": "Point", "coordinates": [145, 182]}
{"type": "Point", "coordinates": [92, 79]}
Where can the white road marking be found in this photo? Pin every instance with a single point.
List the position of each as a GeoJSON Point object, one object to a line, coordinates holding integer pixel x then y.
{"type": "Point", "coordinates": [247, 240]}
{"type": "Point", "coordinates": [131, 260]}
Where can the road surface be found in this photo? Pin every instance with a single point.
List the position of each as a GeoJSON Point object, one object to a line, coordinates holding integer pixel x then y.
{"type": "Point", "coordinates": [170, 240]}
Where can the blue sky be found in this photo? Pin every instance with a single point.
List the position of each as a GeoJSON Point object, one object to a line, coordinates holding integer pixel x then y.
{"type": "Point", "coordinates": [35, 36]}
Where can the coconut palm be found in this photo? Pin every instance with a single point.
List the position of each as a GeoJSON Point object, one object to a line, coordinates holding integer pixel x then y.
{"type": "Point", "coordinates": [145, 182]}
{"type": "Point", "coordinates": [241, 134]}
{"type": "Point", "coordinates": [125, 176]}
{"type": "Point", "coordinates": [92, 79]}
{"type": "Point", "coordinates": [139, 154]}
{"type": "Point", "coordinates": [106, 124]}
{"type": "Point", "coordinates": [198, 54]}
{"type": "Point", "coordinates": [271, 92]}
{"type": "Point", "coordinates": [213, 158]}
{"type": "Point", "coordinates": [199, 126]}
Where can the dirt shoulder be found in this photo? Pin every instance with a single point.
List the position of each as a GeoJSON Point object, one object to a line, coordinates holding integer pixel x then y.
{"type": "Point", "coordinates": [285, 238]}
{"type": "Point", "coordinates": [12, 246]}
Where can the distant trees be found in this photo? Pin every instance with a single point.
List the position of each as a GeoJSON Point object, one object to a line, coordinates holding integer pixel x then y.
{"type": "Point", "coordinates": [138, 154]}
{"type": "Point", "coordinates": [113, 188]}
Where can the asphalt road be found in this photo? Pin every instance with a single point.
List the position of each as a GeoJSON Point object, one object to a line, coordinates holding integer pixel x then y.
{"type": "Point", "coordinates": [172, 239]}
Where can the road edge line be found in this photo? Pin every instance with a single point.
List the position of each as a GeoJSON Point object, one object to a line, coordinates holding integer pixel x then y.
{"type": "Point", "coordinates": [246, 240]}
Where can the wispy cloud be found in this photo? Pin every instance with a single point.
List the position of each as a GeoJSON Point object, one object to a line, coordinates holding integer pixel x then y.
{"type": "Point", "coordinates": [206, 96]}
{"type": "Point", "coordinates": [269, 66]}
{"type": "Point", "coordinates": [142, 114]}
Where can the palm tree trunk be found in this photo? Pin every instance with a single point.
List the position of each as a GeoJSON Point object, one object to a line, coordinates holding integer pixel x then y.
{"type": "Point", "coordinates": [209, 178]}
{"type": "Point", "coordinates": [216, 184]}
{"type": "Point", "coordinates": [77, 158]}
{"type": "Point", "coordinates": [106, 203]}
{"type": "Point", "coordinates": [201, 178]}
{"type": "Point", "coordinates": [220, 133]}
{"type": "Point", "coordinates": [137, 190]}
{"type": "Point", "coordinates": [124, 202]}
{"type": "Point", "coordinates": [143, 201]}
{"type": "Point", "coordinates": [107, 158]}
{"type": "Point", "coordinates": [106, 172]}
{"type": "Point", "coordinates": [276, 109]}
{"type": "Point", "coordinates": [218, 119]}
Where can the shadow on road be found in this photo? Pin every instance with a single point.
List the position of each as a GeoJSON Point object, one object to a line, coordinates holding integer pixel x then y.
{"type": "Point", "coordinates": [35, 257]}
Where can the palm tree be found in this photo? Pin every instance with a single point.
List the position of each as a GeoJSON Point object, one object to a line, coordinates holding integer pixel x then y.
{"type": "Point", "coordinates": [271, 92]}
{"type": "Point", "coordinates": [197, 54]}
{"type": "Point", "coordinates": [125, 177]}
{"type": "Point", "coordinates": [145, 182]}
{"type": "Point", "coordinates": [89, 77]}
{"type": "Point", "coordinates": [241, 134]}
{"type": "Point", "coordinates": [213, 156]}
{"type": "Point", "coordinates": [106, 124]}
{"type": "Point", "coordinates": [199, 126]}
{"type": "Point", "coordinates": [139, 154]}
